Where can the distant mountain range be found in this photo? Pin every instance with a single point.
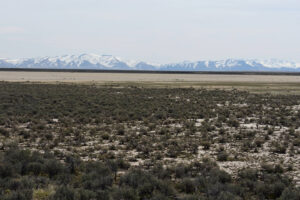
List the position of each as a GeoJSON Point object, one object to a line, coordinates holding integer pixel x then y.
{"type": "Point", "coordinates": [108, 62]}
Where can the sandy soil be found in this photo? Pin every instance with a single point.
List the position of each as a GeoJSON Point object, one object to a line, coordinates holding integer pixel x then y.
{"type": "Point", "coordinates": [140, 77]}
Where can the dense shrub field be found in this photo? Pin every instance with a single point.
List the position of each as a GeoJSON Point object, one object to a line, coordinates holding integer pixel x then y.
{"type": "Point", "coordinates": [28, 175]}
{"type": "Point", "coordinates": [60, 141]}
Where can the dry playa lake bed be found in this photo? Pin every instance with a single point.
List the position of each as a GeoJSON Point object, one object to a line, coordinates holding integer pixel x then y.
{"type": "Point", "coordinates": [141, 77]}
{"type": "Point", "coordinates": [251, 82]}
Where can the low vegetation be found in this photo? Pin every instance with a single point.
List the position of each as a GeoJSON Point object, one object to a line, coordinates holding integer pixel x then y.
{"type": "Point", "coordinates": [60, 141]}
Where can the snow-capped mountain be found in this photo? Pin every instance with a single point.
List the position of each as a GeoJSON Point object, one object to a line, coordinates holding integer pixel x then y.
{"type": "Point", "coordinates": [108, 62]}
{"type": "Point", "coordinates": [234, 65]}
{"type": "Point", "coordinates": [84, 61]}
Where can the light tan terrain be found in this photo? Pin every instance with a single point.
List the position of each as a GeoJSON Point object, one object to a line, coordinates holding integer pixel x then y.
{"type": "Point", "coordinates": [141, 77]}
{"type": "Point", "coordinates": [283, 84]}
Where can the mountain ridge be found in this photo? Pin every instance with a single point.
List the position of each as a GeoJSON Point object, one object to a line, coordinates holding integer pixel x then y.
{"type": "Point", "coordinates": [109, 62]}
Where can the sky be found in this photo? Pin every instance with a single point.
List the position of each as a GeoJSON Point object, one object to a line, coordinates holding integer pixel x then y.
{"type": "Point", "coordinates": [160, 31]}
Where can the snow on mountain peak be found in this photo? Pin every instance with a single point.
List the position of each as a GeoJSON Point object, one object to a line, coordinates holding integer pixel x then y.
{"type": "Point", "coordinates": [94, 61]}
{"type": "Point", "coordinates": [276, 63]}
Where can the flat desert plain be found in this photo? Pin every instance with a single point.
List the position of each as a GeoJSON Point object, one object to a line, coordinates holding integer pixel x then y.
{"type": "Point", "coordinates": [141, 77]}
{"type": "Point", "coordinates": [252, 82]}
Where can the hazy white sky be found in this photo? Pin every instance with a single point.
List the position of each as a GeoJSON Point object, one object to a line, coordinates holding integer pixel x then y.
{"type": "Point", "coordinates": [151, 30]}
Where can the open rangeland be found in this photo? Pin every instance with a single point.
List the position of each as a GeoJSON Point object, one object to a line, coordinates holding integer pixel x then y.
{"type": "Point", "coordinates": [149, 136]}
{"type": "Point", "coordinates": [250, 82]}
